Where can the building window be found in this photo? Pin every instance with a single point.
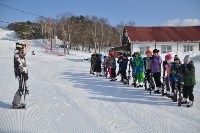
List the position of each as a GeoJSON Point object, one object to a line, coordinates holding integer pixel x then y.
{"type": "Point", "coordinates": [166, 48]}
{"type": "Point", "coordinates": [144, 49]}
{"type": "Point", "coordinates": [188, 48]}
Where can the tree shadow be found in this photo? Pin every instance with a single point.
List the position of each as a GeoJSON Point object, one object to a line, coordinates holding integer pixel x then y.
{"type": "Point", "coordinates": [5, 105]}
{"type": "Point", "coordinates": [108, 91]}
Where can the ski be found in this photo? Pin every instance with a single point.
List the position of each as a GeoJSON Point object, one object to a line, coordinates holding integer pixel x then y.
{"type": "Point", "coordinates": [151, 84]}
{"type": "Point", "coordinates": [180, 98]}
{"type": "Point", "coordinates": [163, 85]}
{"type": "Point", "coordinates": [129, 73]}
{"type": "Point", "coordinates": [176, 92]}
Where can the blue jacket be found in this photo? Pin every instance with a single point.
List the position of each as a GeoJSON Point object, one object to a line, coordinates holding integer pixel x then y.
{"type": "Point", "coordinates": [175, 72]}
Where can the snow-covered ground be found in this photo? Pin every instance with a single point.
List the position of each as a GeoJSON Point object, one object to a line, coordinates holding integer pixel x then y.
{"type": "Point", "coordinates": [65, 98]}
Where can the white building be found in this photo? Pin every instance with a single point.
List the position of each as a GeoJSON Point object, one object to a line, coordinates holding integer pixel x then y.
{"type": "Point", "coordinates": [165, 39]}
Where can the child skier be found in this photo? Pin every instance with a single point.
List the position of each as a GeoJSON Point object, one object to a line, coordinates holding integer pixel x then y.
{"type": "Point", "coordinates": [166, 68]}
{"type": "Point", "coordinates": [98, 65]}
{"type": "Point", "coordinates": [147, 65]}
{"type": "Point", "coordinates": [93, 58]}
{"type": "Point", "coordinates": [188, 75]}
{"type": "Point", "coordinates": [132, 61]}
{"type": "Point", "coordinates": [119, 61]}
{"type": "Point", "coordinates": [104, 65]}
{"type": "Point", "coordinates": [108, 66]}
{"type": "Point", "coordinates": [156, 69]}
{"type": "Point", "coordinates": [124, 64]}
{"type": "Point", "coordinates": [139, 69]}
{"type": "Point", "coordinates": [113, 66]}
{"type": "Point", "coordinates": [175, 76]}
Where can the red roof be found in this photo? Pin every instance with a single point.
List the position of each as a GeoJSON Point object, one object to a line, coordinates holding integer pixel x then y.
{"type": "Point", "coordinates": [163, 34]}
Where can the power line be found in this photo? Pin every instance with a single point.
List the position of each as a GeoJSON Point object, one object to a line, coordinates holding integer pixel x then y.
{"type": "Point", "coordinates": [20, 10]}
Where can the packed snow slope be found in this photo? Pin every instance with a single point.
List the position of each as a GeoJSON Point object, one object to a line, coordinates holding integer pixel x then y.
{"type": "Point", "coordinates": [65, 98]}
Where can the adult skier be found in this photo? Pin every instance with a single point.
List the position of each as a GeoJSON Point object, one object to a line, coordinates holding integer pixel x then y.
{"type": "Point", "coordinates": [22, 73]}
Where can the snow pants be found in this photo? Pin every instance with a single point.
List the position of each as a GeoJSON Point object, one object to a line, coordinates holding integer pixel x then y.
{"type": "Point", "coordinates": [157, 77]}
{"type": "Point", "coordinates": [17, 98]}
{"type": "Point", "coordinates": [140, 77]}
{"type": "Point", "coordinates": [188, 91]}
{"type": "Point", "coordinates": [123, 73]}
{"type": "Point", "coordinates": [113, 72]}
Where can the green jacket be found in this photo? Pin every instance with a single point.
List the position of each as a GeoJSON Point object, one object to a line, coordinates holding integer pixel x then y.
{"type": "Point", "coordinates": [188, 74]}
{"type": "Point", "coordinates": [112, 62]}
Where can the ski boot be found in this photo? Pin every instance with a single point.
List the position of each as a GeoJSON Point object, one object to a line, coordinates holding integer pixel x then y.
{"type": "Point", "coordinates": [190, 104]}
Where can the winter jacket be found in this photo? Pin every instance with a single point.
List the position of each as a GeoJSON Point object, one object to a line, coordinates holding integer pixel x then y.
{"type": "Point", "coordinates": [132, 63]}
{"type": "Point", "coordinates": [98, 62]}
{"type": "Point", "coordinates": [156, 64]}
{"type": "Point", "coordinates": [175, 72]}
{"type": "Point", "coordinates": [139, 64]}
{"type": "Point", "coordinates": [119, 61]}
{"type": "Point", "coordinates": [124, 64]}
{"type": "Point", "coordinates": [168, 69]}
{"type": "Point", "coordinates": [188, 74]}
{"type": "Point", "coordinates": [147, 63]}
{"type": "Point", "coordinates": [112, 62]}
{"type": "Point", "coordinates": [93, 58]}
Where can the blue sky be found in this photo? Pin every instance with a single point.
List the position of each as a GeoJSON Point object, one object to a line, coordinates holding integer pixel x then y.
{"type": "Point", "coordinates": [142, 12]}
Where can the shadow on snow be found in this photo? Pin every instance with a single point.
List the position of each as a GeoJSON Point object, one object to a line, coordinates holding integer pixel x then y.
{"type": "Point", "coordinates": [5, 105]}
{"type": "Point", "coordinates": [106, 90]}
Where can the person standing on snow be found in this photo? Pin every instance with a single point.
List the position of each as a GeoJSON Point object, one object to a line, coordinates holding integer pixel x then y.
{"type": "Point", "coordinates": [124, 64]}
{"type": "Point", "coordinates": [147, 65]}
{"type": "Point", "coordinates": [156, 69]}
{"type": "Point", "coordinates": [22, 71]}
{"type": "Point", "coordinates": [188, 76]}
{"type": "Point", "coordinates": [98, 65]}
{"type": "Point", "coordinates": [139, 69]}
{"type": "Point", "coordinates": [132, 63]}
{"type": "Point", "coordinates": [167, 67]}
{"type": "Point", "coordinates": [175, 75]}
{"type": "Point", "coordinates": [119, 61]}
{"type": "Point", "coordinates": [113, 66]}
{"type": "Point", "coordinates": [93, 58]}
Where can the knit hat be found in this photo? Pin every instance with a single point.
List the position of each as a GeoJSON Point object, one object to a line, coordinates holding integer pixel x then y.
{"type": "Point", "coordinates": [187, 58]}
{"type": "Point", "coordinates": [168, 57]}
{"type": "Point", "coordinates": [176, 57]}
{"type": "Point", "coordinates": [155, 51]}
{"type": "Point", "coordinates": [149, 52]}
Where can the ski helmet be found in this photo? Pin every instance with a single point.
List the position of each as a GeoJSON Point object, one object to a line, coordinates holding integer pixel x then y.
{"type": "Point", "coordinates": [168, 57]}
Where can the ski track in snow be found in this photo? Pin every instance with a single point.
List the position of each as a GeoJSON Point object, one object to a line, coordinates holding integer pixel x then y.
{"type": "Point", "coordinates": [65, 98]}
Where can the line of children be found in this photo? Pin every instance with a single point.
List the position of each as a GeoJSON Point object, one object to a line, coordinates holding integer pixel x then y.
{"type": "Point", "coordinates": [176, 72]}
